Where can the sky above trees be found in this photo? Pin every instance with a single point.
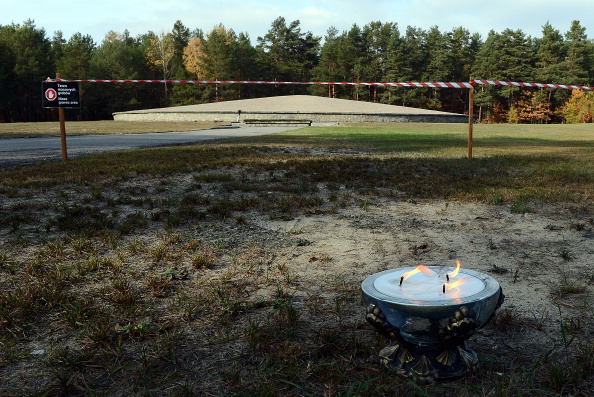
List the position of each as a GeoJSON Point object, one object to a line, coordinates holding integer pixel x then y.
{"type": "Point", "coordinates": [97, 18]}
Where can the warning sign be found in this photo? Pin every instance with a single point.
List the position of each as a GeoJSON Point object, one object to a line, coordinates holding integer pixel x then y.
{"type": "Point", "coordinates": [51, 94]}
{"type": "Point", "coordinates": [61, 94]}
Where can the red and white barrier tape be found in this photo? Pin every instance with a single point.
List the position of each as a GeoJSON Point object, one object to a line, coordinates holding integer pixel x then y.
{"type": "Point", "coordinates": [413, 84]}
{"type": "Point", "coordinates": [534, 85]}
{"type": "Point", "coordinates": [404, 84]}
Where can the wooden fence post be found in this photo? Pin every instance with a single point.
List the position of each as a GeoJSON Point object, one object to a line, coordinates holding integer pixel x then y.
{"type": "Point", "coordinates": [62, 128]}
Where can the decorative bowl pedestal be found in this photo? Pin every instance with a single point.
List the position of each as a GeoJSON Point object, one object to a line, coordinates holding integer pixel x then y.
{"type": "Point", "coordinates": [428, 319]}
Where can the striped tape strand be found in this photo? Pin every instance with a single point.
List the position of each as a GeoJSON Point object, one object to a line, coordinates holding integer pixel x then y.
{"type": "Point", "coordinates": [399, 84]}
{"type": "Point", "coordinates": [533, 85]}
{"type": "Point", "coordinates": [389, 84]}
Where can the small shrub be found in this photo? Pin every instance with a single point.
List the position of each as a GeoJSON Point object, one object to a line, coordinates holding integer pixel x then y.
{"type": "Point", "coordinates": [496, 199]}
{"type": "Point", "coordinates": [203, 259]}
{"type": "Point", "coordinates": [567, 286]}
{"type": "Point", "coordinates": [160, 252]}
{"type": "Point", "coordinates": [82, 219]}
{"type": "Point", "coordinates": [122, 294]}
{"type": "Point", "coordinates": [519, 207]}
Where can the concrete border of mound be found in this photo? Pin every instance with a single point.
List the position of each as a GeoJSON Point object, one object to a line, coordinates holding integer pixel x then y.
{"type": "Point", "coordinates": [293, 109]}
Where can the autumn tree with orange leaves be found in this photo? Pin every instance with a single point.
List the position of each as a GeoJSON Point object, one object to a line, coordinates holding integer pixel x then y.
{"type": "Point", "coordinates": [211, 58]}
{"type": "Point", "coordinates": [579, 108]}
{"type": "Point", "coordinates": [531, 107]}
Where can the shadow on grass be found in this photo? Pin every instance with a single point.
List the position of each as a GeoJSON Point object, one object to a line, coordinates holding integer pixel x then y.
{"type": "Point", "coordinates": [435, 143]}
{"type": "Point", "coordinates": [547, 176]}
{"type": "Point", "coordinates": [544, 178]}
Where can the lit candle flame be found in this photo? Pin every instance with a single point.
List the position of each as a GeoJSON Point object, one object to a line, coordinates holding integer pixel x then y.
{"type": "Point", "coordinates": [455, 272]}
{"type": "Point", "coordinates": [419, 269]}
{"type": "Point", "coordinates": [455, 284]}
{"type": "Point", "coordinates": [450, 286]}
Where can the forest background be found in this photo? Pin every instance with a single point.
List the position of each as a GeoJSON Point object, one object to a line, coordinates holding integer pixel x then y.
{"type": "Point", "coordinates": [376, 52]}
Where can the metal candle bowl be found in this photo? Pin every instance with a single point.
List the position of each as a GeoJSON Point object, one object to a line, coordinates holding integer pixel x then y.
{"type": "Point", "coordinates": [429, 336]}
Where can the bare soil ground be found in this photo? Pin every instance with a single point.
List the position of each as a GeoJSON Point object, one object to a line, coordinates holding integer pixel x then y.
{"type": "Point", "coordinates": [536, 257]}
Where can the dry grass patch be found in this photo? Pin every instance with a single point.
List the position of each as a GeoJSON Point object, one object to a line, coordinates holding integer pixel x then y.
{"type": "Point", "coordinates": [27, 130]}
{"type": "Point", "coordinates": [235, 268]}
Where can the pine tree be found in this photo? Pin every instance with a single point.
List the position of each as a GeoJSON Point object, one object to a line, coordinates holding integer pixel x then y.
{"type": "Point", "coordinates": [328, 68]}
{"type": "Point", "coordinates": [31, 51]}
{"type": "Point", "coordinates": [76, 56]}
{"type": "Point", "coordinates": [394, 65]}
{"type": "Point", "coordinates": [180, 36]}
{"type": "Point", "coordinates": [57, 46]}
{"type": "Point", "coordinates": [578, 55]}
{"type": "Point", "coordinates": [550, 64]}
{"type": "Point", "coordinates": [289, 54]}
{"type": "Point", "coordinates": [8, 84]}
{"type": "Point", "coordinates": [550, 55]}
{"type": "Point", "coordinates": [414, 50]}
{"type": "Point", "coordinates": [439, 64]}
{"type": "Point", "coordinates": [352, 57]}
{"type": "Point", "coordinates": [120, 56]}
{"type": "Point", "coordinates": [505, 56]}
{"type": "Point", "coordinates": [245, 66]}
{"type": "Point", "coordinates": [377, 37]}
{"type": "Point", "coordinates": [463, 47]}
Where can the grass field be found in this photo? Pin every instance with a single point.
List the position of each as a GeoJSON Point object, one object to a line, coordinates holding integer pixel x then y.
{"type": "Point", "coordinates": [149, 272]}
{"type": "Point", "coordinates": [548, 163]}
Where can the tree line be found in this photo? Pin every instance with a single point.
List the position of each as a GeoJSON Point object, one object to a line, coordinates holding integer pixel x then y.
{"type": "Point", "coordinates": [376, 52]}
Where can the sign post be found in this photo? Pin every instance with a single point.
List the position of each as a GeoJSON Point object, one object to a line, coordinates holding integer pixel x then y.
{"type": "Point", "coordinates": [470, 118]}
{"type": "Point", "coordinates": [62, 119]}
{"type": "Point", "coordinates": [61, 95]}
